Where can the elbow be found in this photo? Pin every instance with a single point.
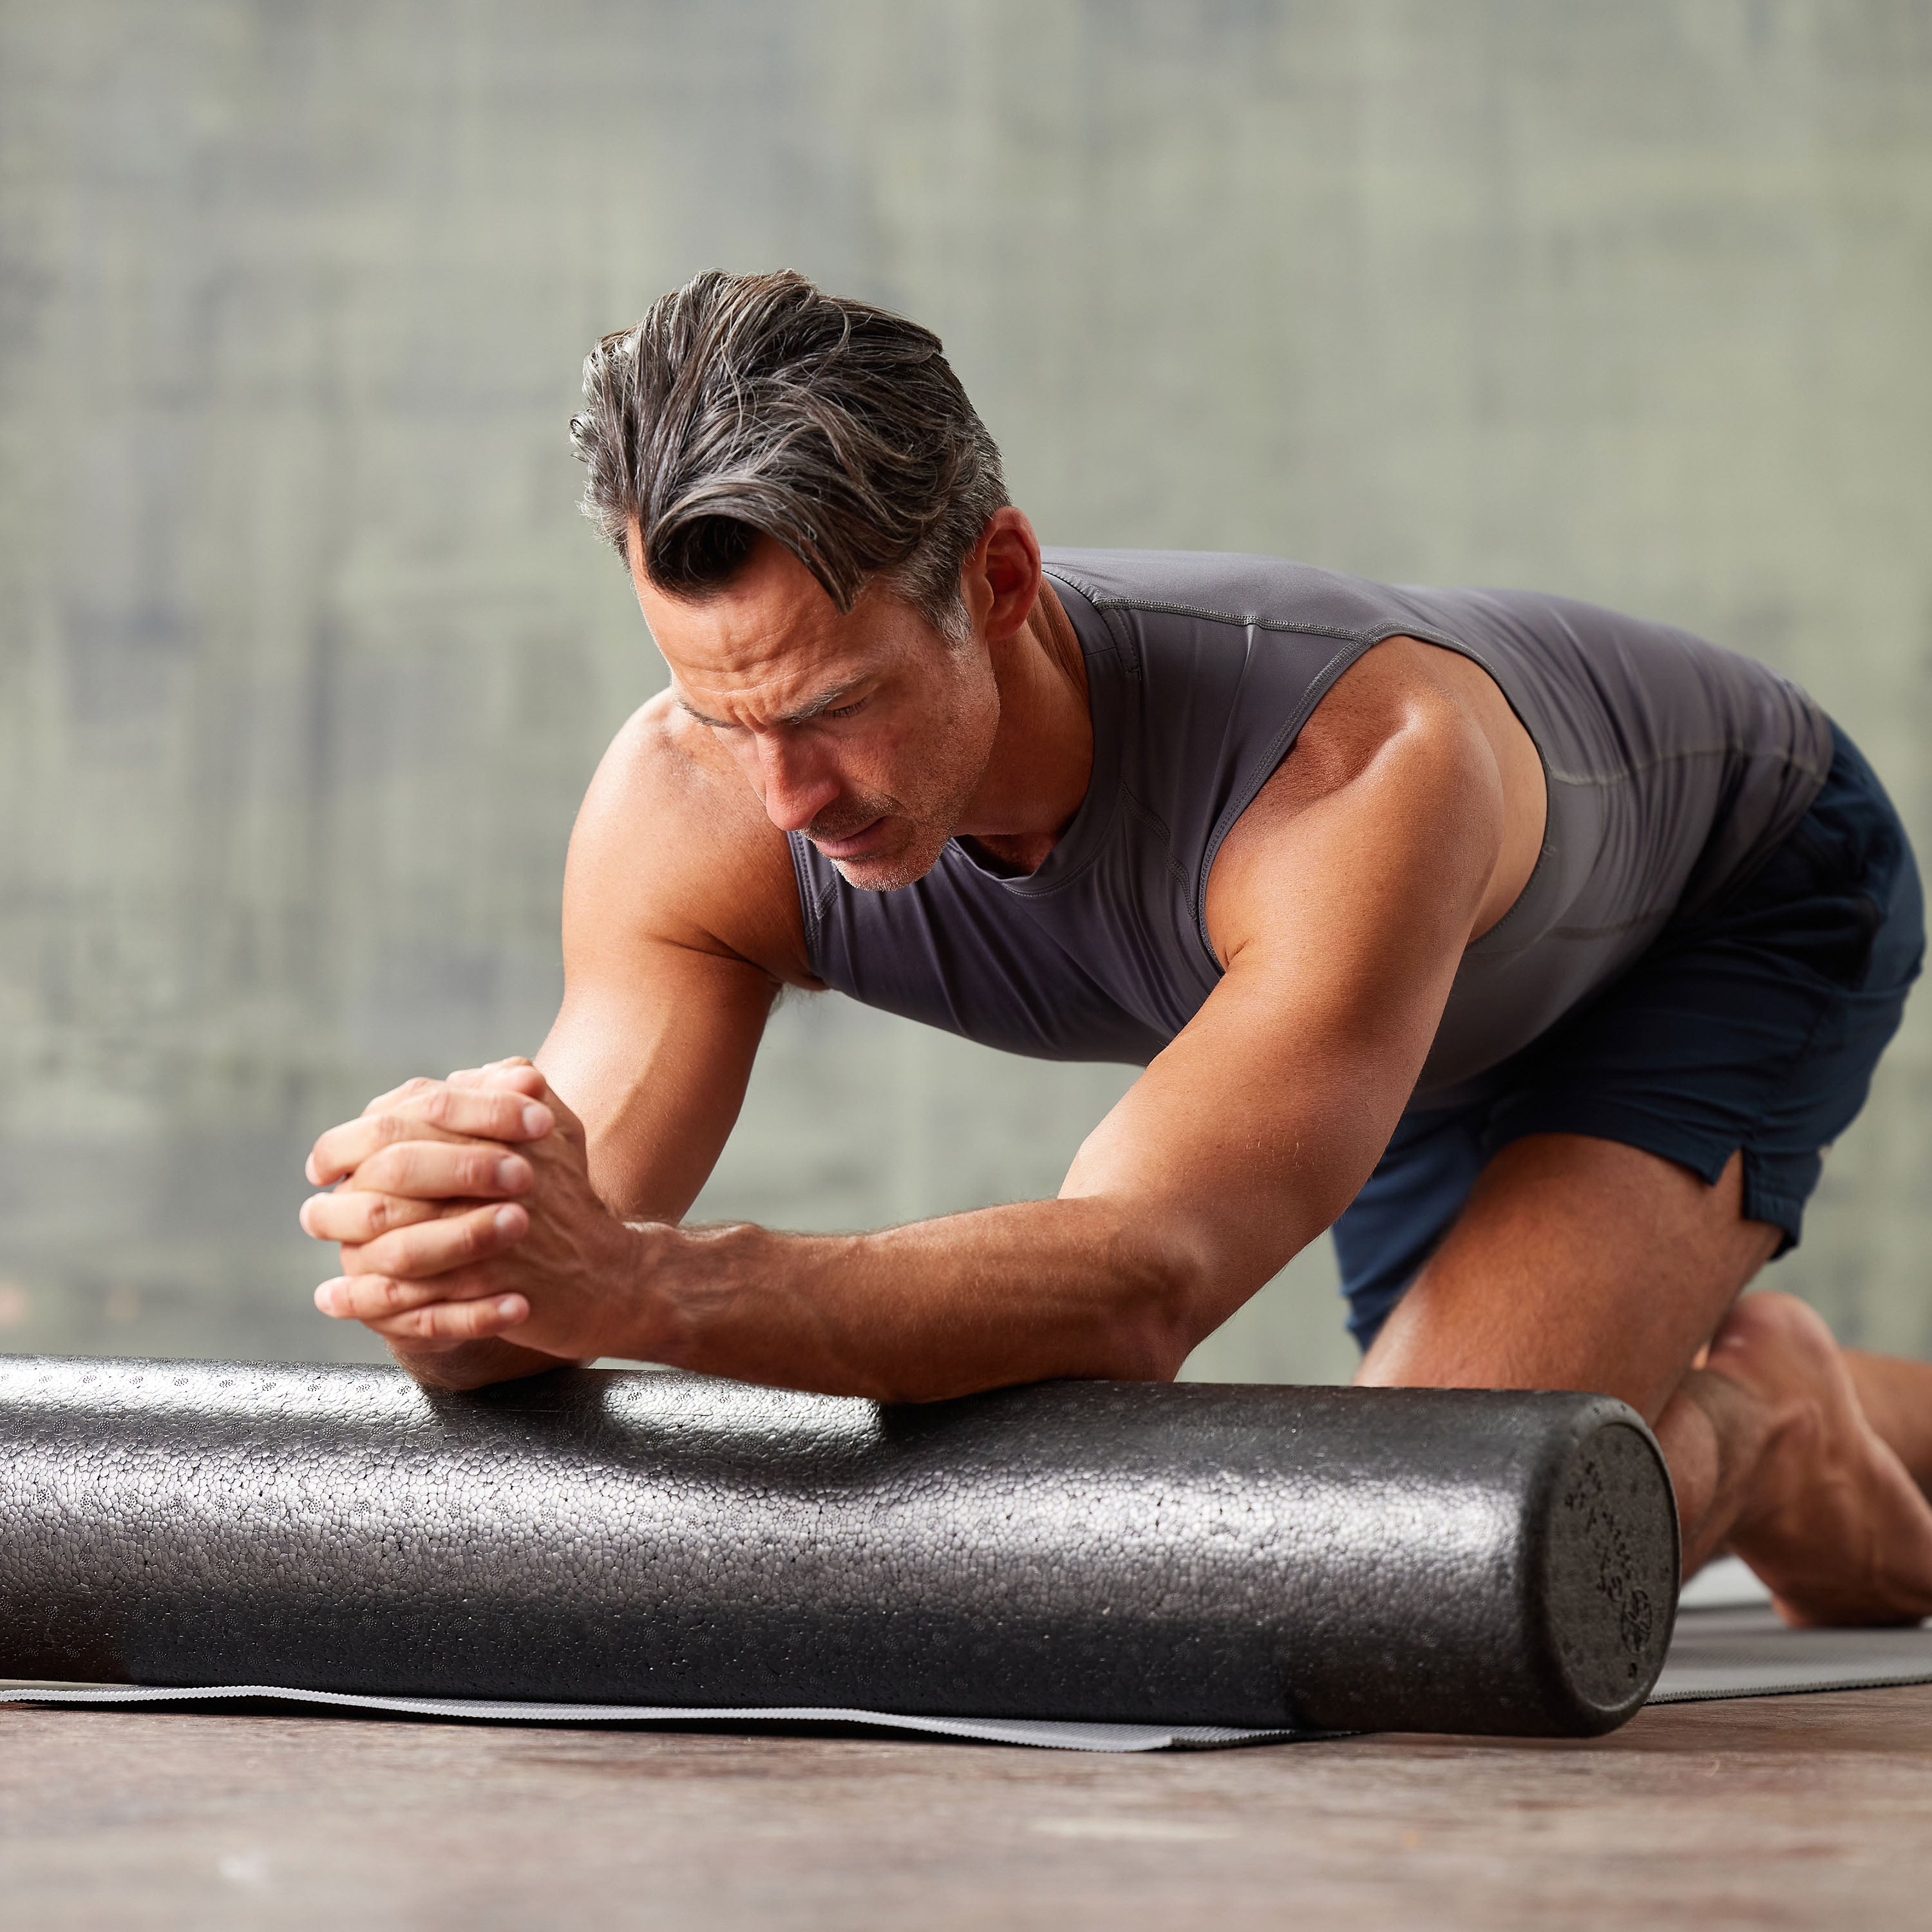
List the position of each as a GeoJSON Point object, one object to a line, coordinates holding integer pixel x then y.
{"type": "Point", "coordinates": [1165, 1280]}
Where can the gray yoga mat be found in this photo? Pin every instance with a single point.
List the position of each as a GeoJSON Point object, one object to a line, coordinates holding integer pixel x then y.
{"type": "Point", "coordinates": [1729, 1643]}
{"type": "Point", "coordinates": [1042, 1734]}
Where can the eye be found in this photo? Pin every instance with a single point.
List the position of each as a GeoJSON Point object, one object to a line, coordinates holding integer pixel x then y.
{"type": "Point", "coordinates": [844, 710]}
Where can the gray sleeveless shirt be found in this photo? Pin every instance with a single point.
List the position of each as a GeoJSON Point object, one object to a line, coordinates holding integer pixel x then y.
{"type": "Point", "coordinates": [1673, 768]}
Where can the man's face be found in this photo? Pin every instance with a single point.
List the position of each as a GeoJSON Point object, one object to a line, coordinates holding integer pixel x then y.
{"type": "Point", "coordinates": [867, 732]}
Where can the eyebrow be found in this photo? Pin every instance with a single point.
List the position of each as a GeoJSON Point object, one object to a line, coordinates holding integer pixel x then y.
{"type": "Point", "coordinates": [826, 701]}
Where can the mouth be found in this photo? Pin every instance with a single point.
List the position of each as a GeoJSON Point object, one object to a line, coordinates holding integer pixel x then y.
{"type": "Point", "coordinates": [852, 844]}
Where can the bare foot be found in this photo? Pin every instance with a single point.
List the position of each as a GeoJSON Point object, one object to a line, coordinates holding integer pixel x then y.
{"type": "Point", "coordinates": [1896, 1396]}
{"type": "Point", "coordinates": [1832, 1523]}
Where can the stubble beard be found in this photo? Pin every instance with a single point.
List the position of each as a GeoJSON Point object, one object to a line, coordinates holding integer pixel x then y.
{"type": "Point", "coordinates": [924, 826]}
{"type": "Point", "coordinates": [923, 838]}
{"type": "Point", "coordinates": [926, 822]}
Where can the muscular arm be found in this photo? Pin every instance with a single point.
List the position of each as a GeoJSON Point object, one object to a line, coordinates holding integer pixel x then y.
{"type": "Point", "coordinates": [680, 926]}
{"type": "Point", "coordinates": [1340, 906]}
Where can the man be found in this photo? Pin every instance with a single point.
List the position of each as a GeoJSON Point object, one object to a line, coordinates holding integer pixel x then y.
{"type": "Point", "coordinates": [1540, 951]}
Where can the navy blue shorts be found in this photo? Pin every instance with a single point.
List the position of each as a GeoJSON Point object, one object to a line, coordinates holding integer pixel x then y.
{"type": "Point", "coordinates": [1754, 1024]}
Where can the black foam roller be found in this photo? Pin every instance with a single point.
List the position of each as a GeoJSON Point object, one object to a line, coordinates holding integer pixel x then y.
{"type": "Point", "coordinates": [1326, 1559]}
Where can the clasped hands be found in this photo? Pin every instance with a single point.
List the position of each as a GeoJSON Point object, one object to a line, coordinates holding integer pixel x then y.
{"type": "Point", "coordinates": [466, 1214]}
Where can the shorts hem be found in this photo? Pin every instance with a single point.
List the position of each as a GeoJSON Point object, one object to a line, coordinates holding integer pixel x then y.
{"type": "Point", "coordinates": [1776, 1209]}
{"type": "Point", "coordinates": [1704, 1154]}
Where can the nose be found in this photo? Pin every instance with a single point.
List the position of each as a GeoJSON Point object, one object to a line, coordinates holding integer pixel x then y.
{"type": "Point", "coordinates": [795, 785]}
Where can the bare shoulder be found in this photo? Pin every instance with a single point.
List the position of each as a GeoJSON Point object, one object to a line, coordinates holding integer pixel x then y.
{"type": "Point", "coordinates": [1412, 746]}
{"type": "Point", "coordinates": [1412, 711]}
{"type": "Point", "coordinates": [671, 845]}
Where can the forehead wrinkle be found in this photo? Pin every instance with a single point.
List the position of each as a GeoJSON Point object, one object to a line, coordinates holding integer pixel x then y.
{"type": "Point", "coordinates": [738, 654]}
{"type": "Point", "coordinates": [802, 714]}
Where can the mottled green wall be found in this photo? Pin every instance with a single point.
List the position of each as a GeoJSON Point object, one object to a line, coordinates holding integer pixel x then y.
{"type": "Point", "coordinates": [305, 657]}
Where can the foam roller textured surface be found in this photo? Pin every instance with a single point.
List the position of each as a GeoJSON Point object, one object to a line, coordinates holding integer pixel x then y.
{"type": "Point", "coordinates": [1343, 1559]}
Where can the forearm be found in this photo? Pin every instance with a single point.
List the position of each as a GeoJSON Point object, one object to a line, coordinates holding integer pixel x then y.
{"type": "Point", "coordinates": [1018, 1294]}
{"type": "Point", "coordinates": [452, 1247]}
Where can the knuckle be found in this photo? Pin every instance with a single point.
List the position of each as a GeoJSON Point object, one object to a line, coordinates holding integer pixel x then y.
{"type": "Point", "coordinates": [465, 1283]}
{"type": "Point", "coordinates": [394, 1167]}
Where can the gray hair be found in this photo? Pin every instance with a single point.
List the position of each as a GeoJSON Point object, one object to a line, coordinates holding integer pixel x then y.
{"type": "Point", "coordinates": [744, 406]}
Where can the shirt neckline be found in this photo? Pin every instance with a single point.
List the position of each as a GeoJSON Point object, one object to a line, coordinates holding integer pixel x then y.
{"type": "Point", "coordinates": [1080, 843]}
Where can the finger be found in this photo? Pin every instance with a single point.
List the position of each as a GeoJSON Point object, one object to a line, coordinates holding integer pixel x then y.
{"type": "Point", "coordinates": [373, 1297]}
{"type": "Point", "coordinates": [382, 1102]}
{"type": "Point", "coordinates": [343, 1148]}
{"type": "Point", "coordinates": [478, 1076]}
{"type": "Point", "coordinates": [456, 1320]}
{"type": "Point", "coordinates": [439, 1111]}
{"type": "Point", "coordinates": [353, 1214]}
{"type": "Point", "coordinates": [445, 1170]}
{"type": "Point", "coordinates": [462, 1076]}
{"type": "Point", "coordinates": [496, 1113]}
{"type": "Point", "coordinates": [517, 1076]}
{"type": "Point", "coordinates": [370, 1298]}
{"type": "Point", "coordinates": [434, 1247]}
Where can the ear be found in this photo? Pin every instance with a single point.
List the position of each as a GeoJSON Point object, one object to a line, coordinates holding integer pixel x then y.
{"type": "Point", "coordinates": [1001, 580]}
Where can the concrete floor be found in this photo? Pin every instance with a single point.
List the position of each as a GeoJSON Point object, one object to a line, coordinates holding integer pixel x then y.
{"type": "Point", "coordinates": [1794, 1811]}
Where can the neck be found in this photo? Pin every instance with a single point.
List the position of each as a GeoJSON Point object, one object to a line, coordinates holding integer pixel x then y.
{"type": "Point", "coordinates": [1043, 751]}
